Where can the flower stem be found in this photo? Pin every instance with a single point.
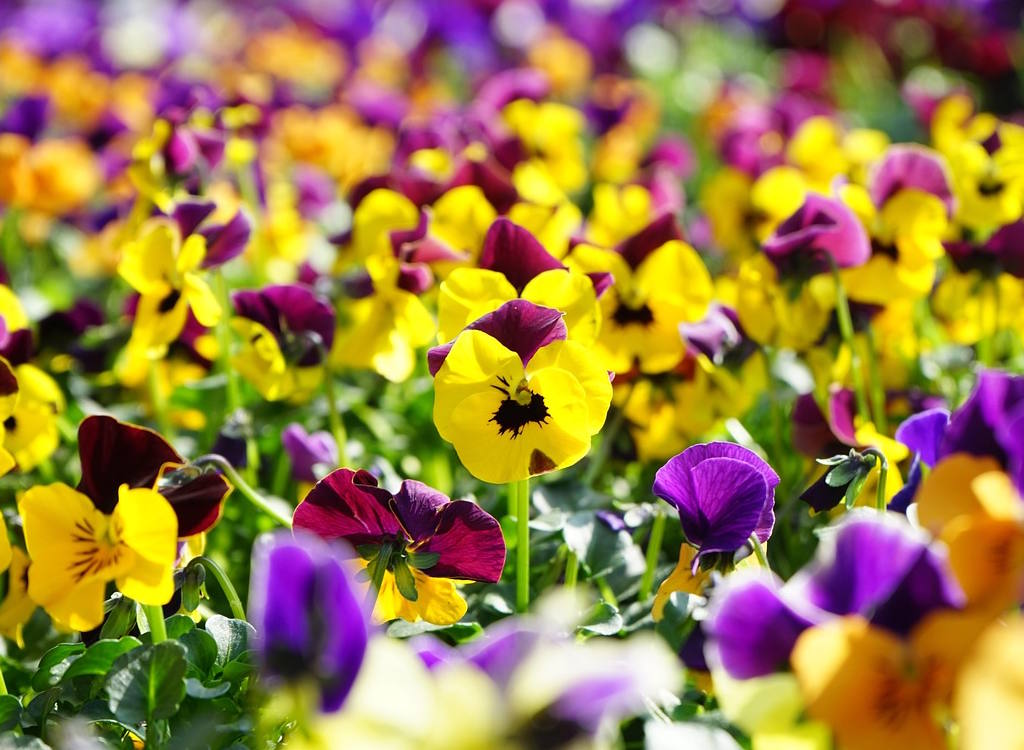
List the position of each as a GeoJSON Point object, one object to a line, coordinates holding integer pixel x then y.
{"type": "Point", "coordinates": [334, 416]}
{"type": "Point", "coordinates": [846, 329]}
{"type": "Point", "coordinates": [155, 618]}
{"type": "Point", "coordinates": [608, 440]}
{"type": "Point", "coordinates": [762, 559]}
{"type": "Point", "coordinates": [234, 602]}
{"type": "Point", "coordinates": [243, 487]}
{"type": "Point", "coordinates": [157, 401]}
{"type": "Point", "coordinates": [877, 389]}
{"type": "Point", "coordinates": [572, 570]}
{"type": "Point", "coordinates": [653, 548]}
{"type": "Point", "coordinates": [883, 477]}
{"type": "Point", "coordinates": [523, 545]}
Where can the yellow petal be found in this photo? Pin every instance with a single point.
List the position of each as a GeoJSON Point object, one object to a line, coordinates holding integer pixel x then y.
{"type": "Point", "coordinates": [202, 300]}
{"type": "Point", "coordinates": [680, 579]}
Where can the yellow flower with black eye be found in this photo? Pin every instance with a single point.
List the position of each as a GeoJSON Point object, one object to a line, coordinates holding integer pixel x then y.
{"type": "Point", "coordinates": [660, 282]}
{"type": "Point", "coordinates": [165, 271]}
{"type": "Point", "coordinates": [16, 607]}
{"type": "Point", "coordinates": [619, 211]}
{"type": "Point", "coordinates": [30, 431]}
{"type": "Point", "coordinates": [516, 398]}
{"type": "Point", "coordinates": [553, 134]}
{"type": "Point", "coordinates": [382, 330]}
{"type": "Point", "coordinates": [76, 549]}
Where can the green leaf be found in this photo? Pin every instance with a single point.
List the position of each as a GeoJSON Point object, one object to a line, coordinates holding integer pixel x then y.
{"type": "Point", "coordinates": [54, 663]}
{"type": "Point", "coordinates": [460, 632]}
{"type": "Point", "coordinates": [10, 712]}
{"type": "Point", "coordinates": [195, 689]}
{"type": "Point", "coordinates": [120, 619]}
{"type": "Point", "coordinates": [22, 742]}
{"type": "Point", "coordinates": [854, 488]}
{"type": "Point", "coordinates": [200, 651]}
{"type": "Point", "coordinates": [148, 683]}
{"type": "Point", "coordinates": [99, 657]}
{"type": "Point", "coordinates": [842, 474]}
{"type": "Point", "coordinates": [178, 625]}
{"type": "Point", "coordinates": [424, 560]}
{"type": "Point", "coordinates": [603, 619]}
{"type": "Point", "coordinates": [232, 637]}
{"type": "Point", "coordinates": [405, 582]}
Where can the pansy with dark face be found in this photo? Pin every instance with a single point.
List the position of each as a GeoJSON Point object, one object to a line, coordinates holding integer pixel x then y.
{"type": "Point", "coordinates": [822, 232]}
{"type": "Point", "coordinates": [516, 397]}
{"type": "Point", "coordinates": [416, 541]}
{"type": "Point", "coordinates": [286, 332]}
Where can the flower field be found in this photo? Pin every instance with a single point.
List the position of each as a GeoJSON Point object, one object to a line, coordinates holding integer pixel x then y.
{"type": "Point", "coordinates": [512, 374]}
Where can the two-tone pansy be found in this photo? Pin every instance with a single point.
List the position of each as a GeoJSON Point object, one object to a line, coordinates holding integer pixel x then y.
{"type": "Point", "coordinates": [515, 396]}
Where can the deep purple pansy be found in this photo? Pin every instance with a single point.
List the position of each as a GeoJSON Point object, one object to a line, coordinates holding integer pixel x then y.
{"type": "Point", "coordinates": [821, 232]}
{"type": "Point", "coordinates": [301, 321]}
{"type": "Point", "coordinates": [307, 614]}
{"type": "Point", "coordinates": [724, 494]}
{"type": "Point", "coordinates": [419, 520]}
{"type": "Point", "coordinates": [114, 453]}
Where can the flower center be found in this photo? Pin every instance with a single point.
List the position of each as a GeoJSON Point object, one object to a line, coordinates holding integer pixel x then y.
{"type": "Point", "coordinates": [624, 314]}
{"type": "Point", "coordinates": [520, 407]}
{"type": "Point", "coordinates": [97, 547]}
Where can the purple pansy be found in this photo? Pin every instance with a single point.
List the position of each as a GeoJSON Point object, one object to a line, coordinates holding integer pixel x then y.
{"type": "Point", "coordinates": [911, 167]}
{"type": "Point", "coordinates": [871, 565]}
{"type": "Point", "coordinates": [724, 494]}
{"type": "Point", "coordinates": [301, 321]}
{"type": "Point", "coordinates": [306, 611]}
{"type": "Point", "coordinates": [223, 241]}
{"type": "Point", "coordinates": [308, 450]}
{"type": "Point", "coordinates": [418, 519]}
{"type": "Point", "coordinates": [519, 325]}
{"type": "Point", "coordinates": [821, 232]}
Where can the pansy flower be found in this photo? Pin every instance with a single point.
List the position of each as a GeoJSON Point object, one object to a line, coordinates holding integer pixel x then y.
{"type": "Point", "coordinates": [286, 331]}
{"type": "Point", "coordinates": [310, 624]}
{"type": "Point", "coordinates": [725, 494]}
{"type": "Point", "coordinates": [515, 265]}
{"type": "Point", "coordinates": [822, 232]}
{"type": "Point", "coordinates": [516, 397]}
{"type": "Point", "coordinates": [416, 542]}
{"type": "Point", "coordinates": [660, 282]}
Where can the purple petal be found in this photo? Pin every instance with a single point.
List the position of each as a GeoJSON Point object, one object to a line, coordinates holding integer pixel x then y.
{"type": "Point", "coordinates": [1010, 436]}
{"type": "Point", "coordinates": [433, 652]}
{"type": "Point", "coordinates": [415, 278]}
{"type": "Point", "coordinates": [306, 450]}
{"type": "Point", "coordinates": [822, 496]}
{"type": "Point", "coordinates": [181, 151]}
{"type": "Point", "coordinates": [588, 702]}
{"type": "Point", "coordinates": [905, 496]}
{"type": "Point", "coordinates": [469, 541]}
{"type": "Point", "coordinates": [511, 250]}
{"type": "Point", "coordinates": [923, 432]}
{"type": "Point", "coordinates": [909, 166]}
{"type": "Point", "coordinates": [812, 434]}
{"type": "Point", "coordinates": [663, 229]}
{"type": "Point", "coordinates": [820, 228]}
{"type": "Point", "coordinates": [841, 408]}
{"type": "Point", "coordinates": [519, 325]}
{"type": "Point", "coordinates": [417, 507]}
{"type": "Point", "coordinates": [1007, 244]}
{"type": "Point", "coordinates": [602, 282]}
{"type": "Point", "coordinates": [189, 214]}
{"type": "Point", "coordinates": [752, 629]}
{"type": "Point", "coordinates": [509, 85]}
{"type": "Point", "coordinates": [27, 116]}
{"type": "Point", "coordinates": [878, 567]}
{"type": "Point", "coordinates": [226, 241]}
{"type": "Point", "coordinates": [343, 505]}
{"type": "Point", "coordinates": [288, 310]}
{"type": "Point", "coordinates": [713, 335]}
{"type": "Point", "coordinates": [972, 427]}
{"type": "Point", "coordinates": [502, 649]}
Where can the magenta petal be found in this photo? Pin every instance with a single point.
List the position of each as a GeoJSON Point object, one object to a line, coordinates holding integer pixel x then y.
{"type": "Point", "coordinates": [470, 544]}
{"type": "Point", "coordinates": [821, 228]}
{"type": "Point", "coordinates": [841, 408]}
{"type": "Point", "coordinates": [519, 325]}
{"type": "Point", "coordinates": [226, 241]}
{"type": "Point", "coordinates": [661, 230]}
{"type": "Point", "coordinates": [197, 503]}
{"type": "Point", "coordinates": [511, 250]}
{"type": "Point", "coordinates": [910, 166]}
{"type": "Point", "coordinates": [189, 214]}
{"type": "Point", "coordinates": [752, 629]}
{"type": "Point", "coordinates": [340, 508]}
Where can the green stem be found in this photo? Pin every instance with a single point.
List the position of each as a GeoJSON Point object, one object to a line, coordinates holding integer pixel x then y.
{"type": "Point", "coordinates": [155, 618]}
{"type": "Point", "coordinates": [234, 602]}
{"type": "Point", "coordinates": [511, 498]}
{"type": "Point", "coordinates": [653, 548]}
{"type": "Point", "coordinates": [243, 487]}
{"type": "Point", "coordinates": [762, 559]}
{"type": "Point", "coordinates": [608, 440]}
{"type": "Point", "coordinates": [572, 570]}
{"type": "Point", "coordinates": [846, 329]}
{"type": "Point", "coordinates": [156, 398]}
{"type": "Point", "coordinates": [523, 545]}
{"type": "Point", "coordinates": [883, 477]}
{"type": "Point", "coordinates": [333, 415]}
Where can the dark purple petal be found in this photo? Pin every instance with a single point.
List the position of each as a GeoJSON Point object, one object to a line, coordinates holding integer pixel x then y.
{"type": "Point", "coordinates": [752, 629]}
{"type": "Point", "coordinates": [879, 567]}
{"type": "Point", "coordinates": [197, 503]}
{"type": "Point", "coordinates": [972, 428]}
{"type": "Point", "coordinates": [307, 450]}
{"type": "Point", "coordinates": [905, 496]}
{"type": "Point", "coordinates": [114, 453]}
{"type": "Point", "coordinates": [27, 116]}
{"type": "Point", "coordinates": [923, 432]}
{"type": "Point", "coordinates": [417, 507]}
{"type": "Point", "coordinates": [821, 228]}
{"type": "Point", "coordinates": [467, 538]}
{"type": "Point", "coordinates": [1011, 435]}
{"type": "Point", "coordinates": [1007, 244]}
{"type": "Point", "coordinates": [713, 335]}
{"type": "Point", "coordinates": [513, 251]}
{"type": "Point", "coordinates": [308, 618]}
{"type": "Point", "coordinates": [663, 229]}
{"type": "Point", "coordinates": [812, 434]}
{"type": "Point", "coordinates": [519, 325]}
{"type": "Point", "coordinates": [602, 281]}
{"type": "Point", "coordinates": [342, 506]}
{"type": "Point", "coordinates": [908, 166]}
{"type": "Point", "coordinates": [415, 278]}
{"type": "Point", "coordinates": [691, 653]}
{"type": "Point", "coordinates": [822, 496]}
{"type": "Point", "coordinates": [189, 214]}
{"type": "Point", "coordinates": [226, 241]}
{"type": "Point", "coordinates": [292, 313]}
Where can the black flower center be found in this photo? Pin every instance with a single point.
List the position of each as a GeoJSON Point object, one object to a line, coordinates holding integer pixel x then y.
{"type": "Point", "coordinates": [624, 315]}
{"type": "Point", "coordinates": [990, 186]}
{"type": "Point", "coordinates": [519, 408]}
{"type": "Point", "coordinates": [168, 303]}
